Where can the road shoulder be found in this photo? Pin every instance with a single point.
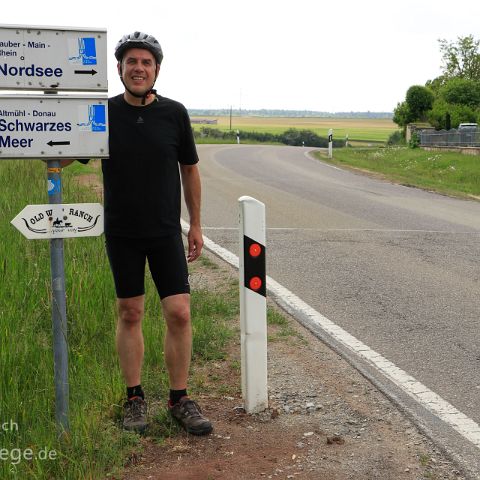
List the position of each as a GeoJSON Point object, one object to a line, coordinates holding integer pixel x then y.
{"type": "Point", "coordinates": [325, 419]}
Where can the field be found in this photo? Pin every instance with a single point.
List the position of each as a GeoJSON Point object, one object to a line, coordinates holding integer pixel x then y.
{"type": "Point", "coordinates": [358, 130]}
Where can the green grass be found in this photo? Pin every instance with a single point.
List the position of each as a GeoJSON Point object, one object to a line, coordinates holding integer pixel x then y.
{"type": "Point", "coordinates": [96, 445]}
{"type": "Point", "coordinates": [445, 172]}
{"type": "Point", "coordinates": [282, 327]}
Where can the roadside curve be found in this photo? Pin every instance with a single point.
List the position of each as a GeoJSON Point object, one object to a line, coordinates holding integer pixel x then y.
{"type": "Point", "coordinates": [450, 429]}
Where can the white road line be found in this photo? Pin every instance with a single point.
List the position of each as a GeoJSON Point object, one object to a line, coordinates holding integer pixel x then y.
{"type": "Point", "coordinates": [307, 155]}
{"type": "Point", "coordinates": [464, 425]}
{"type": "Point", "coordinates": [373, 230]}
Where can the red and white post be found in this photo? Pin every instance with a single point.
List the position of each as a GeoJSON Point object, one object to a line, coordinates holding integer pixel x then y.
{"type": "Point", "coordinates": [253, 304]}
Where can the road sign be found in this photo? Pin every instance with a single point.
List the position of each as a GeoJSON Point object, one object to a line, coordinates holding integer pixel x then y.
{"type": "Point", "coordinates": [58, 58]}
{"type": "Point", "coordinates": [60, 220]}
{"type": "Point", "coordinates": [53, 126]}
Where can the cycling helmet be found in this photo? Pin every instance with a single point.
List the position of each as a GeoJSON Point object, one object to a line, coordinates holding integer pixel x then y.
{"type": "Point", "coordinates": [139, 40]}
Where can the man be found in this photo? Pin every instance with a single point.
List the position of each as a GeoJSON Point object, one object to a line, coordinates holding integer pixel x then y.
{"type": "Point", "coordinates": [151, 151]}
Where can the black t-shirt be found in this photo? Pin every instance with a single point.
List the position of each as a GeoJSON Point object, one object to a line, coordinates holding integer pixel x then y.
{"type": "Point", "coordinates": [141, 178]}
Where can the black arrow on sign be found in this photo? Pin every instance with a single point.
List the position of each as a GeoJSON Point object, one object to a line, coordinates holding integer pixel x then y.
{"type": "Point", "coordinates": [85, 72]}
{"type": "Point", "coordinates": [52, 143]}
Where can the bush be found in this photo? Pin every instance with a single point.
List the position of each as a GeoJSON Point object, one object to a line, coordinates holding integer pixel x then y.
{"type": "Point", "coordinates": [414, 140]}
{"type": "Point", "coordinates": [396, 138]}
{"type": "Point", "coordinates": [215, 133]}
{"type": "Point", "coordinates": [292, 136]}
{"type": "Point", "coordinates": [458, 114]}
{"type": "Point", "coordinates": [461, 91]}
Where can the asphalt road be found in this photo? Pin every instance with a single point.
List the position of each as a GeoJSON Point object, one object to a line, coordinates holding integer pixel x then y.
{"type": "Point", "coordinates": [396, 267]}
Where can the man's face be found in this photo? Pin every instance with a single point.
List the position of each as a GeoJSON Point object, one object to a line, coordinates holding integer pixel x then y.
{"type": "Point", "coordinates": [139, 70]}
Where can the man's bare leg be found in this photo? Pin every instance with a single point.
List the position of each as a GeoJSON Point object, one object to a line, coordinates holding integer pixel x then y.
{"type": "Point", "coordinates": [178, 352]}
{"type": "Point", "coordinates": [178, 339]}
{"type": "Point", "coordinates": [130, 350]}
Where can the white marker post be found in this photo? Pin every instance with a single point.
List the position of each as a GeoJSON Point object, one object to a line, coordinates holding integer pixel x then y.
{"type": "Point", "coordinates": [253, 305]}
{"type": "Point", "coordinates": [330, 143]}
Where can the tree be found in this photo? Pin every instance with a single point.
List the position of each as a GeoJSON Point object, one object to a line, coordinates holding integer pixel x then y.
{"type": "Point", "coordinates": [457, 113]}
{"type": "Point", "coordinates": [419, 100]}
{"type": "Point", "coordinates": [402, 115]}
{"type": "Point", "coordinates": [436, 84]}
{"type": "Point", "coordinates": [451, 98]}
{"type": "Point", "coordinates": [461, 91]}
{"type": "Point", "coordinates": [461, 58]}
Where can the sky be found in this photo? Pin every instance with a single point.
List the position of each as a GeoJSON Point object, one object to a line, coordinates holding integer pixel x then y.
{"type": "Point", "coordinates": [337, 56]}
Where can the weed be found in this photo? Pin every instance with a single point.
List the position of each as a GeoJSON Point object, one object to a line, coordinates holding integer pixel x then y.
{"type": "Point", "coordinates": [96, 445]}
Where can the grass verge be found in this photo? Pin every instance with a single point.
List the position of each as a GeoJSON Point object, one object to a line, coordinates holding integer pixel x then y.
{"type": "Point", "coordinates": [96, 447]}
{"type": "Point", "coordinates": [444, 172]}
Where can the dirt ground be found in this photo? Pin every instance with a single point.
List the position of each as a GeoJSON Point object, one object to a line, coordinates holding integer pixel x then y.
{"type": "Point", "coordinates": [325, 421]}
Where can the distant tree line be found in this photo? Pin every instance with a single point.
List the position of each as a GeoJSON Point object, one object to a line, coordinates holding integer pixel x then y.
{"type": "Point", "coordinates": [224, 112]}
{"type": "Point", "coordinates": [292, 136]}
{"type": "Point", "coordinates": [453, 97]}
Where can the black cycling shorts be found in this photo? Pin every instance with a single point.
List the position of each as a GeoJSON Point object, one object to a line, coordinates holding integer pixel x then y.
{"type": "Point", "coordinates": [166, 260]}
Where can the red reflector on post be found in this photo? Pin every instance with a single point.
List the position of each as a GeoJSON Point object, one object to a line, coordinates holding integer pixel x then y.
{"type": "Point", "coordinates": [255, 250]}
{"type": "Point", "coordinates": [255, 283]}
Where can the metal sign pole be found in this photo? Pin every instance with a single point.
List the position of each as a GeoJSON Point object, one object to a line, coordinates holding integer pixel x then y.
{"type": "Point", "coordinates": [59, 310]}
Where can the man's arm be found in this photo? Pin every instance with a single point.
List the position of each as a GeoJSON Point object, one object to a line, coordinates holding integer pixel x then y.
{"type": "Point", "coordinates": [192, 191]}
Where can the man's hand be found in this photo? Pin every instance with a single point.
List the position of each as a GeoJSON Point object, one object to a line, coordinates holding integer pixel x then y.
{"type": "Point", "coordinates": [195, 243]}
{"type": "Point", "coordinates": [192, 193]}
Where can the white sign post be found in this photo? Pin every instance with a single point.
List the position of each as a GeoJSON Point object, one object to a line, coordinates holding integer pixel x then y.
{"type": "Point", "coordinates": [51, 58]}
{"type": "Point", "coordinates": [52, 127]}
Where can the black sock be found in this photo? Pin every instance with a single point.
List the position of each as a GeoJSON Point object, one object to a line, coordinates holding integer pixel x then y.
{"type": "Point", "coordinates": [176, 395]}
{"type": "Point", "coordinates": [135, 392]}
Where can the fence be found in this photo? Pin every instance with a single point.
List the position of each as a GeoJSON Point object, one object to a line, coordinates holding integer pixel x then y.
{"type": "Point", "coordinates": [449, 138]}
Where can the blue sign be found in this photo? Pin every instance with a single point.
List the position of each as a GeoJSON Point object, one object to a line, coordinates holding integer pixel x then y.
{"type": "Point", "coordinates": [98, 116]}
{"type": "Point", "coordinates": [83, 51]}
{"type": "Point", "coordinates": [93, 118]}
{"type": "Point", "coordinates": [54, 186]}
{"type": "Point", "coordinates": [88, 51]}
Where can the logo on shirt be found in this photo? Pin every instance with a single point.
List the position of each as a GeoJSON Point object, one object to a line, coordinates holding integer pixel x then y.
{"type": "Point", "coordinates": [140, 120]}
